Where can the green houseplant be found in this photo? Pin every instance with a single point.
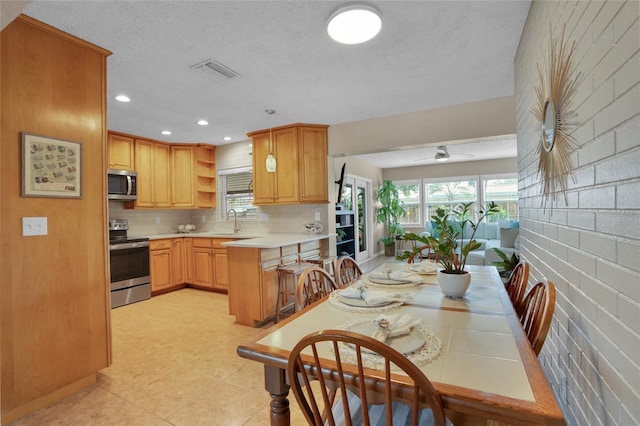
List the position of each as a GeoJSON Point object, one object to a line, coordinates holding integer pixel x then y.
{"type": "Point", "coordinates": [391, 208]}
{"type": "Point", "coordinates": [507, 264]}
{"type": "Point", "coordinates": [449, 245]}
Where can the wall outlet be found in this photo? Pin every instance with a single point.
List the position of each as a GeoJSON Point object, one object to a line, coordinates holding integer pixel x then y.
{"type": "Point", "coordinates": [316, 216]}
{"type": "Point", "coordinates": [204, 218]}
{"type": "Point", "coordinates": [34, 226]}
{"type": "Point", "coordinates": [157, 220]}
{"type": "Point", "coordinates": [264, 217]}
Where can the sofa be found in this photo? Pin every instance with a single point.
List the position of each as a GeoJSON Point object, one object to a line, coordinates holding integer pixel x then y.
{"type": "Point", "coordinates": [503, 235]}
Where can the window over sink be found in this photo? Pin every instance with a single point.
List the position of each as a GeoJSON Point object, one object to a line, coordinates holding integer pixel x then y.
{"type": "Point", "coordinates": [235, 191]}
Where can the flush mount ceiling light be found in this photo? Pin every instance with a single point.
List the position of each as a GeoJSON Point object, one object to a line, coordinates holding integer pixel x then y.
{"type": "Point", "coordinates": [122, 98]}
{"type": "Point", "coordinates": [166, 132]}
{"type": "Point", "coordinates": [441, 153]}
{"type": "Point", "coordinates": [203, 122]}
{"type": "Point", "coordinates": [354, 24]}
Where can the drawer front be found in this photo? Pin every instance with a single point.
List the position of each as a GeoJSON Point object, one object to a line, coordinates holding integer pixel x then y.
{"type": "Point", "coordinates": [159, 244]}
{"type": "Point", "coordinates": [288, 260]}
{"type": "Point", "coordinates": [314, 254]}
{"type": "Point", "coordinates": [309, 246]}
{"type": "Point", "coordinates": [270, 264]}
{"type": "Point", "coordinates": [268, 254]}
{"type": "Point", "coordinates": [289, 250]}
{"type": "Point", "coordinates": [202, 242]}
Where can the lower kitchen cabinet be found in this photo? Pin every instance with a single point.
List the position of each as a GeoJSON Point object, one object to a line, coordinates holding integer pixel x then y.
{"type": "Point", "coordinates": [198, 262]}
{"type": "Point", "coordinates": [221, 269]}
{"type": "Point", "coordinates": [178, 254]}
{"type": "Point", "coordinates": [161, 265]}
{"type": "Point", "coordinates": [210, 267]}
{"type": "Point", "coordinates": [202, 265]}
{"type": "Point", "coordinates": [253, 278]}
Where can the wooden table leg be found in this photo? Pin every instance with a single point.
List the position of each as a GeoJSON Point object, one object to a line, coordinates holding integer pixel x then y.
{"type": "Point", "coordinates": [275, 382]}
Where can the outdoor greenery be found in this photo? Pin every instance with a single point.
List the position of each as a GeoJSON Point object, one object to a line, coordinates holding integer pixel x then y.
{"type": "Point", "coordinates": [390, 210]}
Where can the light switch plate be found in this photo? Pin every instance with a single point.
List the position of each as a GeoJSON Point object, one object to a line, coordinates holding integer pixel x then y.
{"type": "Point", "coordinates": [264, 217]}
{"type": "Point", "coordinates": [34, 226]}
{"type": "Point", "coordinates": [317, 216]}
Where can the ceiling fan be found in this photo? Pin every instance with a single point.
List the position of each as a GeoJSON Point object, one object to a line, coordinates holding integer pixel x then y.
{"type": "Point", "coordinates": [442, 154]}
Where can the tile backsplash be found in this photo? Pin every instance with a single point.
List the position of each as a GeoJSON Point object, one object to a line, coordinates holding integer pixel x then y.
{"type": "Point", "coordinates": [288, 219]}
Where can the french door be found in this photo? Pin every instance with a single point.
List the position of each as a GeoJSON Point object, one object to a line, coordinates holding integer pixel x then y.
{"type": "Point", "coordinates": [357, 196]}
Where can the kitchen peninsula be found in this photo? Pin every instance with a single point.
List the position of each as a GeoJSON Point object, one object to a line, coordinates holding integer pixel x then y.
{"type": "Point", "coordinates": [253, 271]}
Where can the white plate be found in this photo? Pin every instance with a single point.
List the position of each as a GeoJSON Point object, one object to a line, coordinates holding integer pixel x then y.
{"type": "Point", "coordinates": [418, 270]}
{"type": "Point", "coordinates": [388, 282]}
{"type": "Point", "coordinates": [404, 344]}
{"type": "Point", "coordinates": [361, 303]}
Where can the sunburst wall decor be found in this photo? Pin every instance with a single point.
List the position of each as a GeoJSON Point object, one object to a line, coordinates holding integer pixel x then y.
{"type": "Point", "coordinates": [555, 91]}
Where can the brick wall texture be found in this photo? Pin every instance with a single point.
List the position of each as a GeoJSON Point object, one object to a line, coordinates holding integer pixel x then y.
{"type": "Point", "coordinates": [588, 245]}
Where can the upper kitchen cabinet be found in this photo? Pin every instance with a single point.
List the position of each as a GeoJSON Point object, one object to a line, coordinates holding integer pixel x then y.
{"type": "Point", "coordinates": [183, 176]}
{"type": "Point", "coordinates": [300, 151]}
{"type": "Point", "coordinates": [121, 148]}
{"type": "Point", "coordinates": [153, 163]}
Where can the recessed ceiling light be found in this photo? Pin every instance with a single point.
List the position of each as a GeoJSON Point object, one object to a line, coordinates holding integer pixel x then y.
{"type": "Point", "coordinates": [354, 24]}
{"type": "Point", "coordinates": [227, 138]}
{"type": "Point", "coordinates": [122, 98]}
{"type": "Point", "coordinates": [166, 132]}
{"type": "Point", "coordinates": [203, 122]}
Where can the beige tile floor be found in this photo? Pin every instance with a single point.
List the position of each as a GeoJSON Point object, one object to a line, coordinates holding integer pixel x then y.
{"type": "Point", "coordinates": [174, 363]}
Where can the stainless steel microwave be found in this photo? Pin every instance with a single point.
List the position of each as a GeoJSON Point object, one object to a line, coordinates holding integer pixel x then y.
{"type": "Point", "coordinates": [122, 185]}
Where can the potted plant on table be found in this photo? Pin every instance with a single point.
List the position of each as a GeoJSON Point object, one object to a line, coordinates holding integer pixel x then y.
{"type": "Point", "coordinates": [449, 246]}
{"type": "Point", "coordinates": [391, 208]}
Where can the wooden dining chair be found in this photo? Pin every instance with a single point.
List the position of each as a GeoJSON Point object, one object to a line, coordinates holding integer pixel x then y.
{"type": "Point", "coordinates": [536, 313]}
{"type": "Point", "coordinates": [314, 381]}
{"type": "Point", "coordinates": [516, 285]}
{"type": "Point", "coordinates": [314, 283]}
{"type": "Point", "coordinates": [347, 271]}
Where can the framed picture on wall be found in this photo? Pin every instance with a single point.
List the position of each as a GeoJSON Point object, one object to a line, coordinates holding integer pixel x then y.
{"type": "Point", "coordinates": [51, 167]}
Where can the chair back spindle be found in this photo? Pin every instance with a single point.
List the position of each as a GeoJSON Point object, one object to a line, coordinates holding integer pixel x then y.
{"type": "Point", "coordinates": [315, 381]}
{"type": "Point", "coordinates": [516, 286]}
{"type": "Point", "coordinates": [348, 271]}
{"type": "Point", "coordinates": [314, 283]}
{"type": "Point", "coordinates": [537, 313]}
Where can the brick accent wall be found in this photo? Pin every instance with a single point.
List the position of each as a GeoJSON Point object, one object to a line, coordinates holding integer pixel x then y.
{"type": "Point", "coordinates": [590, 245]}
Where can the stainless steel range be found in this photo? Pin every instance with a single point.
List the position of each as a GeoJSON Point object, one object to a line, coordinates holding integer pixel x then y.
{"type": "Point", "coordinates": [130, 277]}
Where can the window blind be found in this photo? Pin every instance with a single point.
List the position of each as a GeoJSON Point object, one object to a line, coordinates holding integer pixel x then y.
{"type": "Point", "coordinates": [236, 192]}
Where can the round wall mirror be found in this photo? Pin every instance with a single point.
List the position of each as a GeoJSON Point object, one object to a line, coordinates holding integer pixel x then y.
{"type": "Point", "coordinates": [549, 126]}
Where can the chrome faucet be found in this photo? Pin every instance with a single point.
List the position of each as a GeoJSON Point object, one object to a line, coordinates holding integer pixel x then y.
{"type": "Point", "coordinates": [236, 225]}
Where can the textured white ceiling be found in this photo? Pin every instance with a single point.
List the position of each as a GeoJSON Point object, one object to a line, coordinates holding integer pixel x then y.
{"type": "Point", "coordinates": [486, 149]}
{"type": "Point", "coordinates": [429, 54]}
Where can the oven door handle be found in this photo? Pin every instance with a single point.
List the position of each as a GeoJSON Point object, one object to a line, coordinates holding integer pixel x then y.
{"type": "Point", "coordinates": [126, 246]}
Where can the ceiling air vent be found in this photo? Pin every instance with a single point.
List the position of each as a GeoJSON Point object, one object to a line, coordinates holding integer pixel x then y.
{"type": "Point", "coordinates": [215, 69]}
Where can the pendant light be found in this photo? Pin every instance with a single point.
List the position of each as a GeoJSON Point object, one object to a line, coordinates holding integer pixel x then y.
{"type": "Point", "coordinates": [270, 162]}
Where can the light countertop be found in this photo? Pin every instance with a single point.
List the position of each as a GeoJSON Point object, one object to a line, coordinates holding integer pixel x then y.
{"type": "Point", "coordinates": [276, 240]}
{"type": "Point", "coordinates": [247, 240]}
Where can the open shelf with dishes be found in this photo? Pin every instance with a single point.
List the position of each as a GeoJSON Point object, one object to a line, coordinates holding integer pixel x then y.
{"type": "Point", "coordinates": [346, 233]}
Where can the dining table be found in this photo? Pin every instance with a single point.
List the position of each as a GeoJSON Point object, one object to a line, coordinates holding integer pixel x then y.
{"type": "Point", "coordinates": [473, 349]}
